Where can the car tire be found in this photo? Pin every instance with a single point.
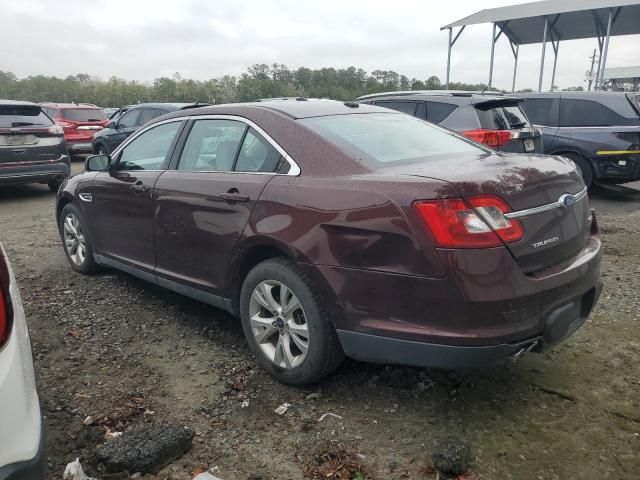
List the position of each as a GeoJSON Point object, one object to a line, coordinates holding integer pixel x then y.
{"type": "Point", "coordinates": [54, 185]}
{"type": "Point", "coordinates": [75, 241]}
{"type": "Point", "coordinates": [275, 339]}
{"type": "Point", "coordinates": [585, 168]}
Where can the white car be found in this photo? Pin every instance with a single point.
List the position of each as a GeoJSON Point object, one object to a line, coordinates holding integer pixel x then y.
{"type": "Point", "coordinates": [21, 433]}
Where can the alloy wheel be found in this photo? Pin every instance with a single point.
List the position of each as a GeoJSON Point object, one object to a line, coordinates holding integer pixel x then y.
{"type": "Point", "coordinates": [279, 324]}
{"type": "Point", "coordinates": [74, 239]}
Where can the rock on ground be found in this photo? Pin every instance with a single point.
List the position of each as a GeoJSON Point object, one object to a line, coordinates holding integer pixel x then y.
{"type": "Point", "coordinates": [452, 455]}
{"type": "Point", "coordinates": [145, 449]}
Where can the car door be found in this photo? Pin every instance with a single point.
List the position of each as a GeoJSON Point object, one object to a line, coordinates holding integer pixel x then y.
{"type": "Point", "coordinates": [125, 126]}
{"type": "Point", "coordinates": [203, 205]}
{"type": "Point", "coordinates": [121, 205]}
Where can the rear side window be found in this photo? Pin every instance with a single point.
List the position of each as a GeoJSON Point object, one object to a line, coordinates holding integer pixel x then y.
{"type": "Point", "coordinates": [501, 117]}
{"type": "Point", "coordinates": [404, 107]}
{"type": "Point", "coordinates": [212, 146]}
{"type": "Point", "coordinates": [589, 113]}
{"type": "Point", "coordinates": [23, 116]}
{"type": "Point", "coordinates": [149, 114]}
{"type": "Point", "coordinates": [538, 110]}
{"type": "Point", "coordinates": [437, 112]}
{"type": "Point", "coordinates": [257, 154]}
{"type": "Point", "coordinates": [380, 139]}
{"type": "Point", "coordinates": [83, 114]}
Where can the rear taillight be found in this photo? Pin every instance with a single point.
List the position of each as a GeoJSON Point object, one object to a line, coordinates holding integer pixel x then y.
{"type": "Point", "coordinates": [67, 125]}
{"type": "Point", "coordinates": [476, 222]}
{"type": "Point", "coordinates": [55, 130]}
{"type": "Point", "coordinates": [6, 311]}
{"type": "Point", "coordinates": [491, 138]}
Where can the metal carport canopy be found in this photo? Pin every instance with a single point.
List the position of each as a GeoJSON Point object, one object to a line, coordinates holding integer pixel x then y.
{"type": "Point", "coordinates": [556, 20]}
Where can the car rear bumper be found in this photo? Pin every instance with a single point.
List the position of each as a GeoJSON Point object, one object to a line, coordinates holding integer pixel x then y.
{"type": "Point", "coordinates": [21, 438]}
{"type": "Point", "coordinates": [559, 325]}
{"type": "Point", "coordinates": [32, 469]}
{"type": "Point", "coordinates": [38, 171]}
{"type": "Point", "coordinates": [84, 146]}
{"type": "Point", "coordinates": [489, 310]}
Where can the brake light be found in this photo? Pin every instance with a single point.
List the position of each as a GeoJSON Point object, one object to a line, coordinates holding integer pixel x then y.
{"type": "Point", "coordinates": [477, 222]}
{"type": "Point", "coordinates": [6, 311]}
{"type": "Point", "coordinates": [67, 125]}
{"type": "Point", "coordinates": [55, 130]}
{"type": "Point", "coordinates": [491, 138]}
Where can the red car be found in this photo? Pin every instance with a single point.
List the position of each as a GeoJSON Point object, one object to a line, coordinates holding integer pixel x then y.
{"type": "Point", "coordinates": [79, 122]}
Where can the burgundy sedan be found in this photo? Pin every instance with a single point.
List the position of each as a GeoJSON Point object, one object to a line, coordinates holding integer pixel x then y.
{"type": "Point", "coordinates": [335, 229]}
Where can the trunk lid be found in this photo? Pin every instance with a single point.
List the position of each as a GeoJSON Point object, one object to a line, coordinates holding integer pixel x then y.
{"type": "Point", "coordinates": [524, 182]}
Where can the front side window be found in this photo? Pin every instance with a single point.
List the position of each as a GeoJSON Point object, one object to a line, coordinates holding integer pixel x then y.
{"type": "Point", "coordinates": [129, 119]}
{"type": "Point", "coordinates": [383, 138]}
{"type": "Point", "coordinates": [257, 154]}
{"type": "Point", "coordinates": [149, 150]}
{"type": "Point", "coordinates": [212, 146]}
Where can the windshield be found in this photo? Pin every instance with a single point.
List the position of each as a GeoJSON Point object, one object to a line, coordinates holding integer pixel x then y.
{"type": "Point", "coordinates": [502, 117]}
{"type": "Point", "coordinates": [384, 138]}
{"type": "Point", "coordinates": [83, 114]}
{"type": "Point", "coordinates": [23, 116]}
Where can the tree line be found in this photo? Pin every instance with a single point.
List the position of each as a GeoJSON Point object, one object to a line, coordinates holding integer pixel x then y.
{"type": "Point", "coordinates": [260, 81]}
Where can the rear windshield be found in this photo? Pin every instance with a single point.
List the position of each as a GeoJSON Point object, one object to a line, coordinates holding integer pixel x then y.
{"type": "Point", "coordinates": [502, 117]}
{"type": "Point", "coordinates": [19, 116]}
{"type": "Point", "coordinates": [83, 114]}
{"type": "Point", "coordinates": [385, 138]}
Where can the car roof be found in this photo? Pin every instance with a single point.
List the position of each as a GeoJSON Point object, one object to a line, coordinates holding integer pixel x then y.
{"type": "Point", "coordinates": [17, 103]}
{"type": "Point", "coordinates": [294, 110]}
{"type": "Point", "coordinates": [172, 106]}
{"type": "Point", "coordinates": [69, 105]}
{"type": "Point", "coordinates": [433, 93]}
{"type": "Point", "coordinates": [585, 95]}
{"type": "Point", "coordinates": [316, 107]}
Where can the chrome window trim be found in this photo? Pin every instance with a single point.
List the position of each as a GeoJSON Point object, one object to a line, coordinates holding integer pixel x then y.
{"type": "Point", "coordinates": [294, 169]}
{"type": "Point", "coordinates": [544, 208]}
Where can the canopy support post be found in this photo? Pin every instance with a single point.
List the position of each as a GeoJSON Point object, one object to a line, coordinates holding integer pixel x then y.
{"type": "Point", "coordinates": [606, 49]}
{"type": "Point", "coordinates": [451, 43]}
{"type": "Point", "coordinates": [493, 47]}
{"type": "Point", "coordinates": [556, 47]}
{"type": "Point", "coordinates": [544, 45]}
{"type": "Point", "coordinates": [515, 66]}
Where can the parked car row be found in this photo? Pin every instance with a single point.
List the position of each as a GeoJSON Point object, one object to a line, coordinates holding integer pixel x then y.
{"type": "Point", "coordinates": [335, 229]}
{"type": "Point", "coordinates": [599, 131]}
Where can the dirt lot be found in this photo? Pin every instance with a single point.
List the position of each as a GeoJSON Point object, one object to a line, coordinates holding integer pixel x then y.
{"type": "Point", "coordinates": [112, 346]}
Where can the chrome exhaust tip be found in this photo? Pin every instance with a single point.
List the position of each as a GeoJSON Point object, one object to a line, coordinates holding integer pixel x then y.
{"type": "Point", "coordinates": [526, 349]}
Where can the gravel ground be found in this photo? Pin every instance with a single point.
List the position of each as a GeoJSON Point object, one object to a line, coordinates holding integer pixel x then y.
{"type": "Point", "coordinates": [125, 353]}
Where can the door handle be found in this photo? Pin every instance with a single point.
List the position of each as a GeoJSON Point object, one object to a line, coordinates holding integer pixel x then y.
{"type": "Point", "coordinates": [139, 188]}
{"type": "Point", "coordinates": [234, 197]}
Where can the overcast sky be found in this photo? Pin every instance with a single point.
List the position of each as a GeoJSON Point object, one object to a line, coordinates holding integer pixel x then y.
{"type": "Point", "coordinates": [146, 39]}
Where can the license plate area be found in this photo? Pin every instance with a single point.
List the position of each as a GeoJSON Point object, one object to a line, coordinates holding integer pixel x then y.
{"type": "Point", "coordinates": [17, 140]}
{"type": "Point", "coordinates": [529, 145]}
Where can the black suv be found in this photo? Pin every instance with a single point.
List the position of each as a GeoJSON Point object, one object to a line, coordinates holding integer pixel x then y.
{"type": "Point", "coordinates": [493, 119]}
{"type": "Point", "coordinates": [120, 127]}
{"type": "Point", "coordinates": [599, 131]}
{"type": "Point", "coordinates": [32, 146]}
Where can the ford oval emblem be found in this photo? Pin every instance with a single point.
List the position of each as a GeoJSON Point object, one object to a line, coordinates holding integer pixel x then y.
{"type": "Point", "coordinates": [567, 200]}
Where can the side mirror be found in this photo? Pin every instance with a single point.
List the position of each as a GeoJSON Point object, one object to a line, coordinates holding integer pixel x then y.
{"type": "Point", "coordinates": [112, 124]}
{"type": "Point", "coordinates": [97, 163]}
